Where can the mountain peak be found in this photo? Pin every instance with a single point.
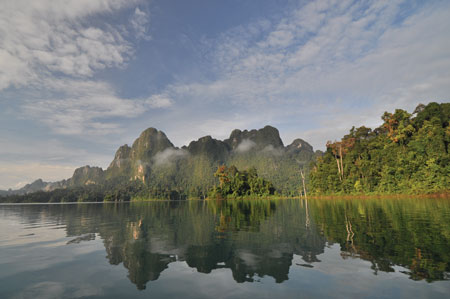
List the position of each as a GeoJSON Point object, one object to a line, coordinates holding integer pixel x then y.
{"type": "Point", "coordinates": [299, 145]}
{"type": "Point", "coordinates": [209, 146]}
{"type": "Point", "coordinates": [150, 131]}
{"type": "Point", "coordinates": [260, 138]}
{"type": "Point", "coordinates": [149, 143]}
{"type": "Point", "coordinates": [122, 155]}
{"type": "Point", "coordinates": [87, 175]}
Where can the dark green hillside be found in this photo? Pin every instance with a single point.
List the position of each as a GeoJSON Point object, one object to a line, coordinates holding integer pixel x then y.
{"type": "Point", "coordinates": [408, 153]}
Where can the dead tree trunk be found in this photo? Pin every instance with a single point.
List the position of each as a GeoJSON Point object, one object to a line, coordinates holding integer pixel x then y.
{"type": "Point", "coordinates": [339, 168]}
{"type": "Point", "coordinates": [307, 221]}
{"type": "Point", "coordinates": [342, 165]}
{"type": "Point", "coordinates": [303, 180]}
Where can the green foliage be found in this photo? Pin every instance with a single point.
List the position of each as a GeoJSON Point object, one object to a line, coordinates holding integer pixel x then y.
{"type": "Point", "coordinates": [408, 153]}
{"type": "Point", "coordinates": [235, 183]}
{"type": "Point", "coordinates": [282, 170]}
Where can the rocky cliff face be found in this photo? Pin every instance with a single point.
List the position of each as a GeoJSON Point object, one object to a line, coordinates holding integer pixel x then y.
{"type": "Point", "coordinates": [121, 158]}
{"type": "Point", "coordinates": [135, 162]}
{"type": "Point", "coordinates": [87, 175]}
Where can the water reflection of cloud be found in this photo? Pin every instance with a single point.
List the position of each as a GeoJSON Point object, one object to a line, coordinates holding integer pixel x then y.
{"type": "Point", "coordinates": [250, 259]}
{"type": "Point", "coordinates": [43, 290]}
{"type": "Point", "coordinates": [53, 289]}
{"type": "Point", "coordinates": [13, 233]}
{"type": "Point", "coordinates": [350, 278]}
{"type": "Point", "coordinates": [162, 246]}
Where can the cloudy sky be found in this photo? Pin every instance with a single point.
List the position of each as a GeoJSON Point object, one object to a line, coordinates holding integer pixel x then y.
{"type": "Point", "coordinates": [79, 78]}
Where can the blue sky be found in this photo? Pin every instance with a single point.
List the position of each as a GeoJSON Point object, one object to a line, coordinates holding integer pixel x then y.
{"type": "Point", "coordinates": [79, 78]}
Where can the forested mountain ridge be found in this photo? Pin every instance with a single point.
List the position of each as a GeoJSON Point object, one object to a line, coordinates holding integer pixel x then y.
{"type": "Point", "coordinates": [408, 153]}
{"type": "Point", "coordinates": [154, 168]}
{"type": "Point", "coordinates": [189, 170]}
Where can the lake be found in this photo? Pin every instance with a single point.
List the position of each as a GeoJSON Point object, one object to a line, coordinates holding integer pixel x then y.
{"type": "Point", "coordinates": [293, 248]}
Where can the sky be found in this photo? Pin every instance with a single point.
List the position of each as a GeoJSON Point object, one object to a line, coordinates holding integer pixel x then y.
{"type": "Point", "coordinates": [79, 78]}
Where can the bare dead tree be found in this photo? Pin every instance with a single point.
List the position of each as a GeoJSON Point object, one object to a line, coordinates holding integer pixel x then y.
{"type": "Point", "coordinates": [303, 181]}
{"type": "Point", "coordinates": [342, 165]}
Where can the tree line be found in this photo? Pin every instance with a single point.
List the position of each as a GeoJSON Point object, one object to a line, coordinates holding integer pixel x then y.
{"type": "Point", "coordinates": [408, 153]}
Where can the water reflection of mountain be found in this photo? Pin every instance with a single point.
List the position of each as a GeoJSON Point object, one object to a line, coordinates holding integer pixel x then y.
{"type": "Point", "coordinates": [260, 238]}
{"type": "Point", "coordinates": [250, 238]}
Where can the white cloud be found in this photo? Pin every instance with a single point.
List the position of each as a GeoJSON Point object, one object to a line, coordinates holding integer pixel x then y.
{"type": "Point", "coordinates": [168, 155]}
{"type": "Point", "coordinates": [160, 101]}
{"type": "Point", "coordinates": [52, 50]}
{"type": "Point", "coordinates": [245, 146]}
{"type": "Point", "coordinates": [39, 38]}
{"type": "Point", "coordinates": [13, 69]}
{"type": "Point", "coordinates": [369, 54]}
{"type": "Point", "coordinates": [270, 149]}
{"type": "Point", "coordinates": [140, 21]}
{"type": "Point", "coordinates": [93, 110]}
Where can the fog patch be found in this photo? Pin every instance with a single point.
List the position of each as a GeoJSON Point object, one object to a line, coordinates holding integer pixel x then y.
{"type": "Point", "coordinates": [245, 146]}
{"type": "Point", "coordinates": [270, 149]}
{"type": "Point", "coordinates": [168, 155]}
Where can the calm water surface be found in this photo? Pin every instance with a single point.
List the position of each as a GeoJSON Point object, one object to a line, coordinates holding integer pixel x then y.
{"type": "Point", "coordinates": [377, 248]}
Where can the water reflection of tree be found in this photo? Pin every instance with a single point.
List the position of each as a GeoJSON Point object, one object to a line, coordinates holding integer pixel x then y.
{"type": "Point", "coordinates": [256, 238]}
{"type": "Point", "coordinates": [414, 233]}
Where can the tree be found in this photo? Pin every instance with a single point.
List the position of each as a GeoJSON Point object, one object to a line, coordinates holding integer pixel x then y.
{"type": "Point", "coordinates": [408, 153]}
{"type": "Point", "coordinates": [234, 183]}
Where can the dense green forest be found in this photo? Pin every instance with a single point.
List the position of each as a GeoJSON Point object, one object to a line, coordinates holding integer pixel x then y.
{"type": "Point", "coordinates": [235, 183]}
{"type": "Point", "coordinates": [408, 153]}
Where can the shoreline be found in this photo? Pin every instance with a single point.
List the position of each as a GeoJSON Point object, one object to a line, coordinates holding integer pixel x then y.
{"type": "Point", "coordinates": [370, 196]}
{"type": "Point", "coordinates": [440, 195]}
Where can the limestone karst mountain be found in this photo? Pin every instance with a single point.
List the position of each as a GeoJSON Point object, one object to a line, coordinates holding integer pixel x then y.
{"type": "Point", "coordinates": [158, 164]}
